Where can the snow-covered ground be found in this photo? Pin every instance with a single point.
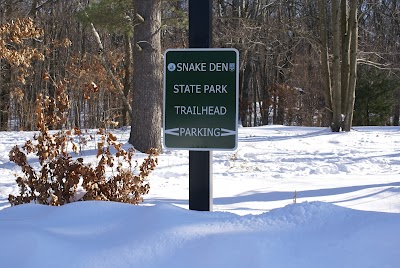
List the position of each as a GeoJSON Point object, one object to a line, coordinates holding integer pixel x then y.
{"type": "Point", "coordinates": [347, 211]}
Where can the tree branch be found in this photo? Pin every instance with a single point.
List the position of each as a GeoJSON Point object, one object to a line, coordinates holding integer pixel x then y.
{"type": "Point", "coordinates": [110, 73]}
{"type": "Point", "coordinates": [380, 66]}
{"type": "Point", "coordinates": [107, 67]}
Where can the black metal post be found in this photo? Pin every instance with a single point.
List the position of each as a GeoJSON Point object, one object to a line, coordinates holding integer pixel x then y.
{"type": "Point", "coordinates": [200, 162]}
{"type": "Point", "coordinates": [200, 23]}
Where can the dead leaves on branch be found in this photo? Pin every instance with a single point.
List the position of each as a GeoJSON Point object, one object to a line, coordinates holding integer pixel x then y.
{"type": "Point", "coordinates": [13, 47]}
{"type": "Point", "coordinates": [18, 51]}
{"type": "Point", "coordinates": [90, 76]}
{"type": "Point", "coordinates": [60, 176]}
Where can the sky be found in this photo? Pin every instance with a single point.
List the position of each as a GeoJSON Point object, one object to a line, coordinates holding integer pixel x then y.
{"type": "Point", "coordinates": [287, 197]}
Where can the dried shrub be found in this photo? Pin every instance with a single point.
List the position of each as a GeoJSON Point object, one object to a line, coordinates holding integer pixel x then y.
{"type": "Point", "coordinates": [125, 186]}
{"type": "Point", "coordinates": [57, 181]}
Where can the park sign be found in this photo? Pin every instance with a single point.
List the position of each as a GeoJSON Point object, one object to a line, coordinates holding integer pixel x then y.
{"type": "Point", "coordinates": [201, 99]}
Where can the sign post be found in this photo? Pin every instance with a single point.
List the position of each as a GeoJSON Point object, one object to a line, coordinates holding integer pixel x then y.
{"type": "Point", "coordinates": [200, 111]}
{"type": "Point", "coordinates": [200, 102]}
{"type": "Point", "coordinates": [200, 163]}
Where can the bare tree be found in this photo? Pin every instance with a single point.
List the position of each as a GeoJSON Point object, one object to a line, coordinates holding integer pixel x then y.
{"type": "Point", "coordinates": [340, 75]}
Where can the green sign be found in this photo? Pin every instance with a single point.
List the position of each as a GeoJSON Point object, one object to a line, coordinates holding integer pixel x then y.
{"type": "Point", "coordinates": [201, 99]}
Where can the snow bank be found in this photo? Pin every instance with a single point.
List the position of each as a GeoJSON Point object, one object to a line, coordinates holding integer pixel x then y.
{"type": "Point", "coordinates": [106, 234]}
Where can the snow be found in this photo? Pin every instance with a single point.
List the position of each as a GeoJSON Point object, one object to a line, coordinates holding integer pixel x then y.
{"type": "Point", "coordinates": [347, 210]}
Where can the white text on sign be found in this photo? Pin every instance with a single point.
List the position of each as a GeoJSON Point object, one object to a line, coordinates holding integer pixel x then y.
{"type": "Point", "coordinates": [202, 67]}
{"type": "Point", "coordinates": [217, 89]}
{"type": "Point", "coordinates": [200, 110]}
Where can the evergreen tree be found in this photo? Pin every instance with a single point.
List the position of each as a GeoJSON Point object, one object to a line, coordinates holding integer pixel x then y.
{"type": "Point", "coordinates": [115, 16]}
{"type": "Point", "coordinates": [374, 97]}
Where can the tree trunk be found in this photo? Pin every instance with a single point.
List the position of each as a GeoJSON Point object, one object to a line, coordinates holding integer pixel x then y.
{"type": "Point", "coordinates": [396, 112]}
{"type": "Point", "coordinates": [325, 70]}
{"type": "Point", "coordinates": [351, 91]}
{"type": "Point", "coordinates": [244, 95]}
{"type": "Point", "coordinates": [345, 63]}
{"type": "Point", "coordinates": [5, 77]}
{"type": "Point", "coordinates": [335, 76]}
{"type": "Point", "coordinates": [147, 82]}
{"type": "Point", "coordinates": [128, 76]}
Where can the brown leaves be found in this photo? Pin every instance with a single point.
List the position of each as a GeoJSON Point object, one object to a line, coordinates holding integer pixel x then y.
{"type": "Point", "coordinates": [53, 111]}
{"type": "Point", "coordinates": [125, 186]}
{"type": "Point", "coordinates": [46, 76]}
{"type": "Point", "coordinates": [19, 30]}
{"type": "Point", "coordinates": [90, 88]}
{"type": "Point", "coordinates": [57, 181]}
{"type": "Point", "coordinates": [17, 94]}
{"type": "Point", "coordinates": [64, 43]}
{"type": "Point", "coordinates": [13, 47]}
{"type": "Point", "coordinates": [91, 76]}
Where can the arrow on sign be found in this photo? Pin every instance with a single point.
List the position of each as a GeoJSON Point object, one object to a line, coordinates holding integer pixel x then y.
{"type": "Point", "coordinates": [172, 131]}
{"type": "Point", "coordinates": [227, 132]}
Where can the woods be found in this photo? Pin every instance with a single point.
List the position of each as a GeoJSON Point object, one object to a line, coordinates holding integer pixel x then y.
{"type": "Point", "coordinates": [309, 63]}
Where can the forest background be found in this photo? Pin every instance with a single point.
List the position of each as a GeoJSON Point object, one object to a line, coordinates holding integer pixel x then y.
{"type": "Point", "coordinates": [88, 47]}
